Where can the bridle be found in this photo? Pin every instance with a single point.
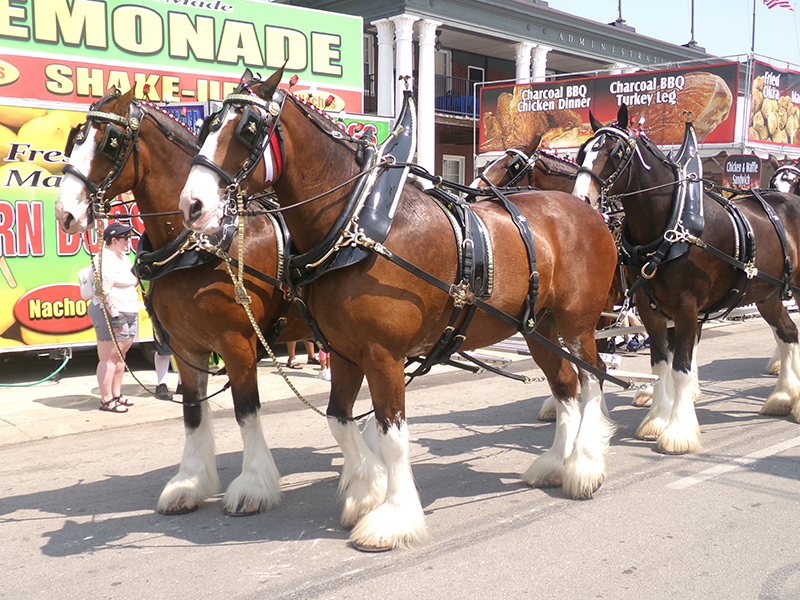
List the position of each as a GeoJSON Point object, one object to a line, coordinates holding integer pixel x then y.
{"type": "Point", "coordinates": [120, 141]}
{"type": "Point", "coordinates": [519, 165]}
{"type": "Point", "coordinates": [788, 173]}
{"type": "Point", "coordinates": [621, 155]}
{"type": "Point", "coordinates": [258, 128]}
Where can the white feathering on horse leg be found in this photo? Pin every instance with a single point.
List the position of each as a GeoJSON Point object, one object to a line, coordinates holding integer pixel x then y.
{"type": "Point", "coordinates": [547, 470]}
{"type": "Point", "coordinates": [660, 408]}
{"type": "Point", "coordinates": [784, 397]}
{"type": "Point", "coordinates": [548, 410]}
{"type": "Point", "coordinates": [197, 478]}
{"type": "Point", "coordinates": [682, 434]}
{"type": "Point", "coordinates": [362, 483]}
{"type": "Point", "coordinates": [257, 488]}
{"type": "Point", "coordinates": [585, 467]}
{"type": "Point", "coordinates": [400, 521]}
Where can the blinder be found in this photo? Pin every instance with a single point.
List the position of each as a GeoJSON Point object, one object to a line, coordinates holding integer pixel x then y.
{"type": "Point", "coordinates": [252, 128]}
{"type": "Point", "coordinates": [77, 135]}
{"type": "Point", "coordinates": [515, 167]}
{"type": "Point", "coordinates": [211, 123]}
{"type": "Point", "coordinates": [113, 142]}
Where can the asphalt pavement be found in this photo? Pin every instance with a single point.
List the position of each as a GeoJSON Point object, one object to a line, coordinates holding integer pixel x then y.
{"type": "Point", "coordinates": [78, 489]}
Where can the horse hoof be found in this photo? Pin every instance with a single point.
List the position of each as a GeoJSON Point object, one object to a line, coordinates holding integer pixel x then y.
{"type": "Point", "coordinates": [183, 509]}
{"type": "Point", "coordinates": [244, 510]}
{"type": "Point", "coordinates": [546, 482]}
{"type": "Point", "coordinates": [642, 400]}
{"type": "Point", "coordinates": [364, 547]}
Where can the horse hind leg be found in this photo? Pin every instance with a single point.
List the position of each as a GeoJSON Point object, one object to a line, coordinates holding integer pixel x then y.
{"type": "Point", "coordinates": [547, 470]}
{"type": "Point", "coordinates": [362, 484]}
{"type": "Point", "coordinates": [783, 399]}
{"type": "Point", "coordinates": [257, 487]}
{"type": "Point", "coordinates": [197, 477]}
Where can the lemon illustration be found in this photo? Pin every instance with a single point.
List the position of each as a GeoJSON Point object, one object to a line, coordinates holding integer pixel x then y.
{"type": "Point", "coordinates": [45, 133]}
{"type": "Point", "coordinates": [16, 116]}
{"type": "Point", "coordinates": [7, 137]}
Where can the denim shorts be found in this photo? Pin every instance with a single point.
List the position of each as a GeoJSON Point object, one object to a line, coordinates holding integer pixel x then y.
{"type": "Point", "coordinates": [129, 328]}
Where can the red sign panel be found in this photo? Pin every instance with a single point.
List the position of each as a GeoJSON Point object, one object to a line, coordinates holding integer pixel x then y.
{"type": "Point", "coordinates": [511, 115]}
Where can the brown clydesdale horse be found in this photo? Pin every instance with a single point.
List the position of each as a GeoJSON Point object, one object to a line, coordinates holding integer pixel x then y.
{"type": "Point", "coordinates": [375, 313]}
{"type": "Point", "coordinates": [701, 274]}
{"type": "Point", "coordinates": [195, 305]}
{"type": "Point", "coordinates": [530, 167]}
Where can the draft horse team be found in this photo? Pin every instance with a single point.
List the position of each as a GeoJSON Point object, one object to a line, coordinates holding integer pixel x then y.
{"type": "Point", "coordinates": [389, 273]}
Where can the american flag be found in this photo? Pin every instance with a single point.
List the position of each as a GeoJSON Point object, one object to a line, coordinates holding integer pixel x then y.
{"type": "Point", "coordinates": [780, 3]}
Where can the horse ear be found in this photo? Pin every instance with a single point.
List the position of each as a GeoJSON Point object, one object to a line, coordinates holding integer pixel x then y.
{"type": "Point", "coordinates": [622, 116]}
{"type": "Point", "coordinates": [594, 122]}
{"type": "Point", "coordinates": [266, 90]}
{"type": "Point", "coordinates": [531, 148]}
{"type": "Point", "coordinates": [774, 161]}
{"type": "Point", "coordinates": [128, 96]}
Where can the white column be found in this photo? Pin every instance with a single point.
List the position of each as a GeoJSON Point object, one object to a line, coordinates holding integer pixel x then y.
{"type": "Point", "coordinates": [522, 54]}
{"type": "Point", "coordinates": [616, 68]}
{"type": "Point", "coordinates": [540, 62]}
{"type": "Point", "coordinates": [385, 68]}
{"type": "Point", "coordinates": [404, 55]}
{"type": "Point", "coordinates": [426, 96]}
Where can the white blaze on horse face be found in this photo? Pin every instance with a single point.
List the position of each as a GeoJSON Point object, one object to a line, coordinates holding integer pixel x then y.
{"type": "Point", "coordinates": [782, 183]}
{"type": "Point", "coordinates": [73, 198]}
{"type": "Point", "coordinates": [583, 182]}
{"type": "Point", "coordinates": [201, 201]}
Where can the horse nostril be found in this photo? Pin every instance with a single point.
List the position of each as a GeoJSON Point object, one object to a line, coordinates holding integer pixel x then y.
{"type": "Point", "coordinates": [195, 210]}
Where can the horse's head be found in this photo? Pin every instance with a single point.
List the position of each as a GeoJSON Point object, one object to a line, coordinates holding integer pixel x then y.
{"type": "Point", "coordinates": [786, 178]}
{"type": "Point", "coordinates": [97, 151]}
{"type": "Point", "coordinates": [233, 142]}
{"type": "Point", "coordinates": [604, 157]}
{"type": "Point", "coordinates": [512, 168]}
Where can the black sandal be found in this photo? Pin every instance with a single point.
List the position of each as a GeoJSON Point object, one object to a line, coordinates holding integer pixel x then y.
{"type": "Point", "coordinates": [124, 401]}
{"type": "Point", "coordinates": [294, 364]}
{"type": "Point", "coordinates": [113, 405]}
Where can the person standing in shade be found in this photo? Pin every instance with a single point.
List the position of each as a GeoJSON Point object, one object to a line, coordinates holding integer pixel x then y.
{"type": "Point", "coordinates": [122, 305]}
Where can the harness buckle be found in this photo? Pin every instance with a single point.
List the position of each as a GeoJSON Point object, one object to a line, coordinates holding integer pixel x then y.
{"type": "Point", "coordinates": [750, 270]}
{"type": "Point", "coordinates": [461, 294]}
{"type": "Point", "coordinates": [644, 272]}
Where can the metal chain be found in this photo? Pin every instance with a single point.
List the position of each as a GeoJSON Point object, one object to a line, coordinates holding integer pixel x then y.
{"type": "Point", "coordinates": [243, 299]}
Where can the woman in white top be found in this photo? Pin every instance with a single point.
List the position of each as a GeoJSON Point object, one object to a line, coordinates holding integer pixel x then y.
{"type": "Point", "coordinates": [122, 304]}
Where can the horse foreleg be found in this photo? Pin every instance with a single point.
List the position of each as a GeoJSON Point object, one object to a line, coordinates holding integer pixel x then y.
{"type": "Point", "coordinates": [257, 487]}
{"type": "Point", "coordinates": [682, 433]}
{"type": "Point", "coordinates": [787, 389]}
{"type": "Point", "coordinates": [399, 521]}
{"type": "Point", "coordinates": [362, 484]}
{"type": "Point", "coordinates": [585, 466]}
{"type": "Point", "coordinates": [197, 477]}
{"type": "Point", "coordinates": [661, 405]}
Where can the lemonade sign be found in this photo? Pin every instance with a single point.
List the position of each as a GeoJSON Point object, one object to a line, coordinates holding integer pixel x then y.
{"type": "Point", "coordinates": [59, 56]}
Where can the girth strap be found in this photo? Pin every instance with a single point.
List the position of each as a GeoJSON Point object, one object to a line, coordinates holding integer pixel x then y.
{"type": "Point", "coordinates": [786, 289]}
{"type": "Point", "coordinates": [528, 320]}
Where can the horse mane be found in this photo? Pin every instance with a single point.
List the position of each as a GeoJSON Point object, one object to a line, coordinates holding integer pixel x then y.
{"type": "Point", "coordinates": [322, 120]}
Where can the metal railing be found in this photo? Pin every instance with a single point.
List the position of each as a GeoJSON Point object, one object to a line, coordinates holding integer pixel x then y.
{"type": "Point", "coordinates": [454, 95]}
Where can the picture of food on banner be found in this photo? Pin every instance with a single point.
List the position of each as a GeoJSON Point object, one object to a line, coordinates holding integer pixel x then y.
{"type": "Point", "coordinates": [705, 98]}
{"type": "Point", "coordinates": [774, 117]}
{"type": "Point", "coordinates": [508, 127]}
